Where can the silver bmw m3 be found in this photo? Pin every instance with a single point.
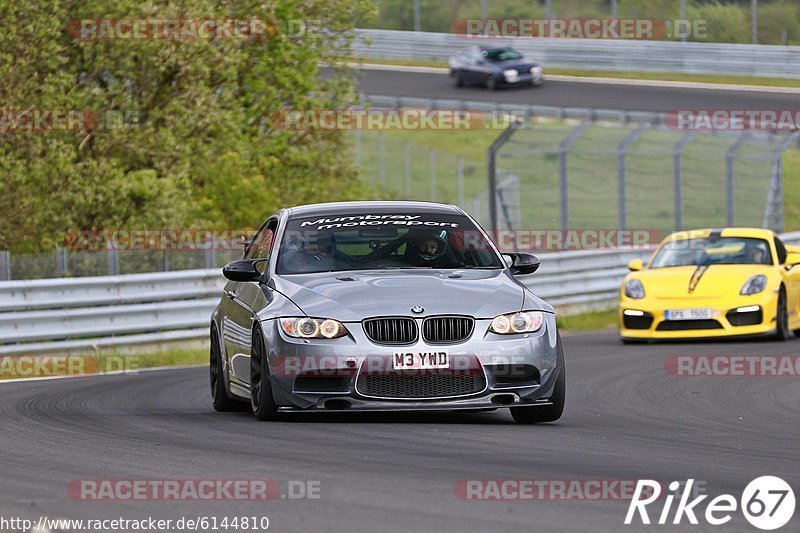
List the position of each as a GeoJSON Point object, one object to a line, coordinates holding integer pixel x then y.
{"type": "Point", "coordinates": [383, 306]}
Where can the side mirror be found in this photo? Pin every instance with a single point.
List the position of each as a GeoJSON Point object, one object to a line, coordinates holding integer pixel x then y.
{"type": "Point", "coordinates": [242, 270]}
{"type": "Point", "coordinates": [523, 263]}
{"type": "Point", "coordinates": [792, 259]}
{"type": "Point", "coordinates": [636, 265]}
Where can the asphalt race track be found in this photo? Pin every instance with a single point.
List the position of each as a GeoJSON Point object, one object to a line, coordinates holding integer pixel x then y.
{"type": "Point", "coordinates": [573, 93]}
{"type": "Point", "coordinates": [626, 418]}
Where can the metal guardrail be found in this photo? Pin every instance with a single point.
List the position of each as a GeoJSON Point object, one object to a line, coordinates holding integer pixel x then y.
{"type": "Point", "coordinates": [69, 314]}
{"type": "Point", "coordinates": [596, 54]}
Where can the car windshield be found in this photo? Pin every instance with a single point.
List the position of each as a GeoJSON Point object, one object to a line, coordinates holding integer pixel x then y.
{"type": "Point", "coordinates": [713, 251]}
{"type": "Point", "coordinates": [496, 55]}
{"type": "Point", "coordinates": [383, 240]}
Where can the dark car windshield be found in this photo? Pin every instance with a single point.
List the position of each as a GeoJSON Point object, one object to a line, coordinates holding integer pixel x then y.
{"type": "Point", "coordinates": [496, 55]}
{"type": "Point", "coordinates": [383, 240]}
{"type": "Point", "coordinates": [713, 251]}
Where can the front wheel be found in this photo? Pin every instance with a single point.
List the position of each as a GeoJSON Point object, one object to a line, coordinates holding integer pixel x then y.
{"type": "Point", "coordinates": [491, 83]}
{"type": "Point", "coordinates": [219, 391]}
{"type": "Point", "coordinates": [458, 79]}
{"type": "Point", "coordinates": [261, 400]}
{"type": "Point", "coordinates": [782, 318]}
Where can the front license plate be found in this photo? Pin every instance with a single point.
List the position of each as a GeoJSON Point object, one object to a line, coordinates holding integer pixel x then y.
{"type": "Point", "coordinates": [420, 360]}
{"type": "Point", "coordinates": [688, 314]}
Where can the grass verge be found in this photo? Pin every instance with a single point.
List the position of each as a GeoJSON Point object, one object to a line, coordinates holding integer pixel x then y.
{"type": "Point", "coordinates": [589, 321]}
{"type": "Point", "coordinates": [51, 365]}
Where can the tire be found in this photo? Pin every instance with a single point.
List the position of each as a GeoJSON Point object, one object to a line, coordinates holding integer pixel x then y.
{"type": "Point", "coordinates": [781, 318]}
{"type": "Point", "coordinates": [261, 400]}
{"type": "Point", "coordinates": [458, 79]}
{"type": "Point", "coordinates": [220, 396]}
{"type": "Point", "coordinates": [549, 413]}
{"type": "Point", "coordinates": [491, 83]}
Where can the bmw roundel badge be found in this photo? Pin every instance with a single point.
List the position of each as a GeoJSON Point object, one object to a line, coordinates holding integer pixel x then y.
{"type": "Point", "coordinates": [417, 309]}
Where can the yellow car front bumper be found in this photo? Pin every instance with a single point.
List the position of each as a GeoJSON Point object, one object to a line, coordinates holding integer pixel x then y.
{"type": "Point", "coordinates": [734, 316]}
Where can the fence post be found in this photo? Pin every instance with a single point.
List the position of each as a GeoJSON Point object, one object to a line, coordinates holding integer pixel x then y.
{"type": "Point", "coordinates": [773, 213]}
{"type": "Point", "coordinates": [211, 252]}
{"type": "Point", "coordinates": [563, 172]}
{"type": "Point", "coordinates": [460, 178]}
{"type": "Point", "coordinates": [111, 256]}
{"type": "Point", "coordinates": [622, 150]}
{"type": "Point", "coordinates": [61, 261]}
{"type": "Point", "coordinates": [729, 156]}
{"type": "Point", "coordinates": [5, 265]}
{"type": "Point", "coordinates": [432, 162]}
{"type": "Point", "coordinates": [491, 194]}
{"type": "Point", "coordinates": [501, 187]}
{"type": "Point", "coordinates": [677, 152]}
{"type": "Point", "coordinates": [407, 169]}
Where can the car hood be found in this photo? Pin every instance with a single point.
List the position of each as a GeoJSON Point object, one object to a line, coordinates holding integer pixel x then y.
{"type": "Point", "coordinates": [716, 282]}
{"type": "Point", "coordinates": [353, 296]}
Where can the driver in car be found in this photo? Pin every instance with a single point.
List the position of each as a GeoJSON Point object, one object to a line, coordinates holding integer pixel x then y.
{"type": "Point", "coordinates": [755, 254]}
{"type": "Point", "coordinates": [315, 252]}
{"type": "Point", "coordinates": [425, 247]}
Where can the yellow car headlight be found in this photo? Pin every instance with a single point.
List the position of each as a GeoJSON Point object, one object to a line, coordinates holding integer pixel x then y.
{"type": "Point", "coordinates": [313, 328]}
{"type": "Point", "coordinates": [754, 285]}
{"type": "Point", "coordinates": [634, 289]}
{"type": "Point", "coordinates": [513, 323]}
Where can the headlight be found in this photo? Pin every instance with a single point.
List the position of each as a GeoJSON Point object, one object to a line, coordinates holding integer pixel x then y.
{"type": "Point", "coordinates": [513, 323]}
{"type": "Point", "coordinates": [510, 74]}
{"type": "Point", "coordinates": [634, 289]}
{"type": "Point", "coordinates": [536, 71]}
{"type": "Point", "coordinates": [312, 328]}
{"type": "Point", "coordinates": [754, 285]}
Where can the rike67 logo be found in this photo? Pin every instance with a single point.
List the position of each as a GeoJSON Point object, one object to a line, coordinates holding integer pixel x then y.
{"type": "Point", "coordinates": [767, 503]}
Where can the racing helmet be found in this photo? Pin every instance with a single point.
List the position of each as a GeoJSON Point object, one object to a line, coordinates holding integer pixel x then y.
{"type": "Point", "coordinates": [427, 245]}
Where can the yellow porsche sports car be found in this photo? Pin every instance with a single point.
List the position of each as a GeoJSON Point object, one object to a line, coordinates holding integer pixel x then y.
{"type": "Point", "coordinates": [713, 283]}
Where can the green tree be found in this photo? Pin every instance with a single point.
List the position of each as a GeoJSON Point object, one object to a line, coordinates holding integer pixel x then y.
{"type": "Point", "coordinates": [184, 135]}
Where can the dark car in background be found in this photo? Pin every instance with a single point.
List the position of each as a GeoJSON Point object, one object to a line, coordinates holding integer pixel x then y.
{"type": "Point", "coordinates": [493, 67]}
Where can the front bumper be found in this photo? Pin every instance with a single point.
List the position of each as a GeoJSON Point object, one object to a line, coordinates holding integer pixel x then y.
{"type": "Point", "coordinates": [527, 78]}
{"type": "Point", "coordinates": [315, 375]}
{"type": "Point", "coordinates": [723, 323]}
